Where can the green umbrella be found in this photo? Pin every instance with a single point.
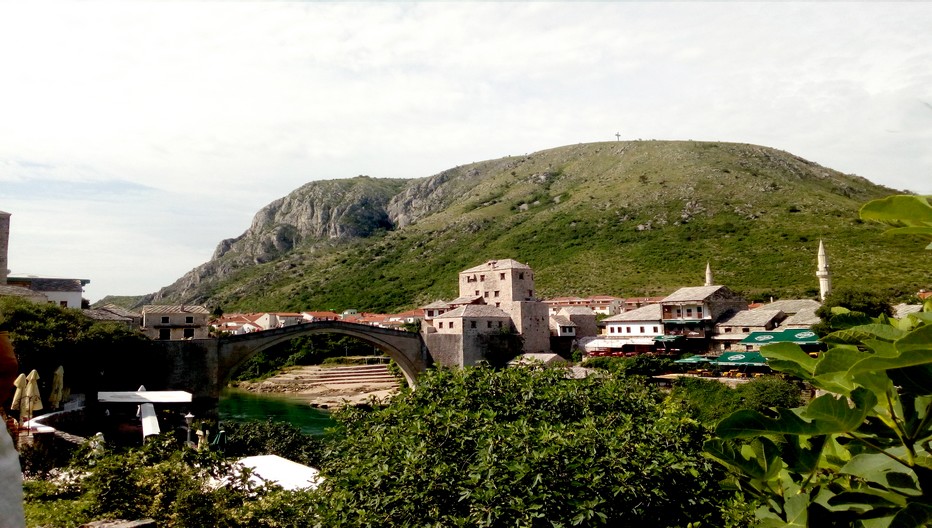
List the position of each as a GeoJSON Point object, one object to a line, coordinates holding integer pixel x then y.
{"type": "Point", "coordinates": [693, 360]}
{"type": "Point", "coordinates": [741, 359]}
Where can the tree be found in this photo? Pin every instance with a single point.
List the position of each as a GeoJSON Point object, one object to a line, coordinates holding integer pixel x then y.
{"type": "Point", "coordinates": [519, 447]}
{"type": "Point", "coordinates": [860, 454]}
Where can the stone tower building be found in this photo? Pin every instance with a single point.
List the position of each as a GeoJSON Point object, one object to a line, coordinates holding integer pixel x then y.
{"type": "Point", "coordinates": [4, 245]}
{"type": "Point", "coordinates": [509, 286]}
{"type": "Point", "coordinates": [822, 272]}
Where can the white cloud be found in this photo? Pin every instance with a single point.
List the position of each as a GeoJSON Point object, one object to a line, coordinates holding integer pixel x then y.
{"type": "Point", "coordinates": [226, 106]}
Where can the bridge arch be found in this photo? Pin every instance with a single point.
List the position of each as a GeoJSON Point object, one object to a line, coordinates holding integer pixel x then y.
{"type": "Point", "coordinates": [407, 349]}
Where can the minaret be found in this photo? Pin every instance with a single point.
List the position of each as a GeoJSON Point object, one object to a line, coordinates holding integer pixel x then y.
{"type": "Point", "coordinates": [825, 277]}
{"type": "Point", "coordinates": [4, 245]}
{"type": "Point", "coordinates": [708, 275]}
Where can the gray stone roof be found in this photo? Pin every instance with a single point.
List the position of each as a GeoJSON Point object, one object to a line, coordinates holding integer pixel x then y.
{"type": "Point", "coordinates": [752, 318]}
{"type": "Point", "coordinates": [57, 285]}
{"type": "Point", "coordinates": [791, 306]}
{"type": "Point", "coordinates": [119, 310]}
{"type": "Point", "coordinates": [436, 305]}
{"type": "Point", "coordinates": [469, 299]}
{"type": "Point", "coordinates": [26, 293]}
{"type": "Point", "coordinates": [648, 312]}
{"type": "Point", "coordinates": [105, 315]}
{"type": "Point", "coordinates": [174, 308]}
{"type": "Point", "coordinates": [497, 265]}
{"type": "Point", "coordinates": [802, 319]}
{"type": "Point", "coordinates": [474, 310]}
{"type": "Point", "coordinates": [692, 293]}
{"type": "Point", "coordinates": [561, 320]}
{"type": "Point", "coordinates": [576, 310]}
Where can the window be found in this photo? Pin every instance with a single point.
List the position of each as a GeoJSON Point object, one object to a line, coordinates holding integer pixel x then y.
{"type": "Point", "coordinates": [611, 329]}
{"type": "Point", "coordinates": [497, 305]}
{"type": "Point", "coordinates": [501, 276]}
{"type": "Point", "coordinates": [699, 311]}
{"type": "Point", "coordinates": [627, 329]}
{"type": "Point", "coordinates": [521, 276]}
{"type": "Point", "coordinates": [689, 312]}
{"type": "Point", "coordinates": [164, 319]}
{"type": "Point", "coordinates": [188, 333]}
{"type": "Point", "coordinates": [530, 293]}
{"type": "Point", "coordinates": [481, 278]}
{"type": "Point", "coordinates": [727, 330]}
{"type": "Point", "coordinates": [656, 330]}
{"type": "Point", "coordinates": [499, 324]}
{"type": "Point", "coordinates": [485, 294]}
{"type": "Point", "coordinates": [496, 293]}
{"type": "Point", "coordinates": [642, 329]}
{"type": "Point", "coordinates": [189, 319]}
{"type": "Point", "coordinates": [489, 324]}
{"type": "Point", "coordinates": [679, 313]}
{"type": "Point", "coordinates": [165, 334]}
{"type": "Point", "coordinates": [452, 324]}
{"type": "Point", "coordinates": [745, 330]}
{"type": "Point", "coordinates": [63, 304]}
{"type": "Point", "coordinates": [440, 324]}
{"type": "Point", "coordinates": [477, 293]}
{"type": "Point", "coordinates": [472, 324]}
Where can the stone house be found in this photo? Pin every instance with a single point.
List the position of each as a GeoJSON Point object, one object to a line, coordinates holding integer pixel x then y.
{"type": "Point", "coordinates": [455, 337]}
{"type": "Point", "coordinates": [175, 322]}
{"type": "Point", "coordinates": [67, 293]}
{"type": "Point", "coordinates": [692, 312]}
{"type": "Point", "coordinates": [583, 318]}
{"type": "Point", "coordinates": [733, 328]}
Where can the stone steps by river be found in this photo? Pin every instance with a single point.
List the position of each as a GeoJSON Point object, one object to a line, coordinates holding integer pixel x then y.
{"type": "Point", "coordinates": [357, 374]}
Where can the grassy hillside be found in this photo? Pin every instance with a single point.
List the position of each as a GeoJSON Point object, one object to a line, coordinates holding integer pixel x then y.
{"type": "Point", "coordinates": [619, 218]}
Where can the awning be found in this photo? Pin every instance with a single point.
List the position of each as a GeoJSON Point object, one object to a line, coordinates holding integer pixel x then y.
{"type": "Point", "coordinates": [693, 360]}
{"type": "Point", "coordinates": [789, 335]}
{"type": "Point", "coordinates": [668, 338]}
{"type": "Point", "coordinates": [741, 359]}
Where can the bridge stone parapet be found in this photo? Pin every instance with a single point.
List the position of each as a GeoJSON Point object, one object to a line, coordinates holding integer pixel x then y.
{"type": "Point", "coordinates": [204, 366]}
{"type": "Point", "coordinates": [407, 349]}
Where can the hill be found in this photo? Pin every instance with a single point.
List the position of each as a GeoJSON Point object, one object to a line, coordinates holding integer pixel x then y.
{"type": "Point", "coordinates": [618, 218]}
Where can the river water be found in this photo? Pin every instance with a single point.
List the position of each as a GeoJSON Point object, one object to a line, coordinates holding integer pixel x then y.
{"type": "Point", "coordinates": [238, 405]}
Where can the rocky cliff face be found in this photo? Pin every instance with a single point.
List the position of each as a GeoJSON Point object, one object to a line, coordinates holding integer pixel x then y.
{"type": "Point", "coordinates": [318, 212]}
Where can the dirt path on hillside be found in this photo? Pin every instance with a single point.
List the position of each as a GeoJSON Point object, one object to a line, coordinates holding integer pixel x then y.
{"type": "Point", "coordinates": [298, 382]}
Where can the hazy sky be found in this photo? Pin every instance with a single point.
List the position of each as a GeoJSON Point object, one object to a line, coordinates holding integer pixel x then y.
{"type": "Point", "coordinates": [135, 136]}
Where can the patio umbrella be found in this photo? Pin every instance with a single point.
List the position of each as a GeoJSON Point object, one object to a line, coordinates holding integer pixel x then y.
{"type": "Point", "coordinates": [741, 359]}
{"type": "Point", "coordinates": [58, 387]}
{"type": "Point", "coordinates": [20, 384]}
{"type": "Point", "coordinates": [693, 360]}
{"type": "Point", "coordinates": [32, 400]}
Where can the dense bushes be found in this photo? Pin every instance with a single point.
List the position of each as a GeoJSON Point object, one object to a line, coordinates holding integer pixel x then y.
{"type": "Point", "coordinates": [519, 447]}
{"type": "Point", "coordinates": [709, 401]}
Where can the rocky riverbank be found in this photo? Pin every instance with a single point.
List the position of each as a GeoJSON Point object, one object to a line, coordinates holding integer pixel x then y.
{"type": "Point", "coordinates": [330, 387]}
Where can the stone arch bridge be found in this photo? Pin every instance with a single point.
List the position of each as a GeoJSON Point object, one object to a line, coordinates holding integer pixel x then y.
{"type": "Point", "coordinates": [204, 366]}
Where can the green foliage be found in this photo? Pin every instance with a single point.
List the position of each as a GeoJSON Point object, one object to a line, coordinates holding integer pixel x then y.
{"type": "Point", "coordinates": [908, 215]}
{"type": "Point", "coordinates": [767, 392]}
{"type": "Point", "coordinates": [46, 336]}
{"type": "Point", "coordinates": [709, 401]}
{"type": "Point", "coordinates": [272, 438]}
{"type": "Point", "coordinates": [706, 400]}
{"type": "Point", "coordinates": [860, 454]}
{"type": "Point", "coordinates": [165, 483]}
{"type": "Point", "coordinates": [847, 307]}
{"type": "Point", "coordinates": [641, 365]}
{"type": "Point", "coordinates": [519, 447]}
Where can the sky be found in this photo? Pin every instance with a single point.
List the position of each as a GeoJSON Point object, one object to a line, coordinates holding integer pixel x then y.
{"type": "Point", "coordinates": [135, 136]}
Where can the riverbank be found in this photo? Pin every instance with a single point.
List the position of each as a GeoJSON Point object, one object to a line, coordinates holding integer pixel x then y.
{"type": "Point", "coordinates": [329, 387]}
